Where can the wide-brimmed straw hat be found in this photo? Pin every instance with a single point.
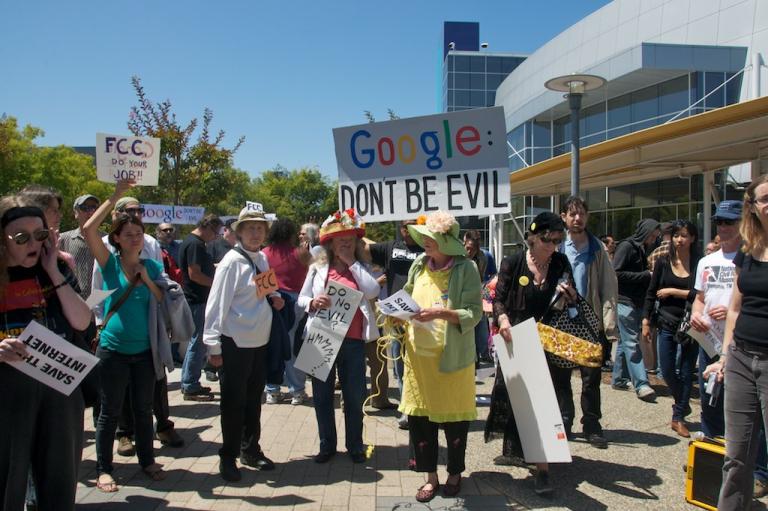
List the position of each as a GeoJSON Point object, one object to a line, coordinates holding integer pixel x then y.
{"type": "Point", "coordinates": [341, 223]}
{"type": "Point", "coordinates": [249, 214]}
{"type": "Point", "coordinates": [441, 227]}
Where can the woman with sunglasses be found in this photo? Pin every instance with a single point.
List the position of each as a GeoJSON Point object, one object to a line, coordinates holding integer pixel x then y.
{"type": "Point", "coordinates": [526, 285]}
{"type": "Point", "coordinates": [743, 363]}
{"type": "Point", "coordinates": [124, 351]}
{"type": "Point", "coordinates": [672, 287]}
{"type": "Point", "coordinates": [40, 428]}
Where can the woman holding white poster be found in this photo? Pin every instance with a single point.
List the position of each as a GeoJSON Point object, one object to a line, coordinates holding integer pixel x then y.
{"type": "Point", "coordinates": [40, 428]}
{"type": "Point", "coordinates": [439, 376]}
{"type": "Point", "coordinates": [340, 236]}
{"type": "Point", "coordinates": [528, 281]}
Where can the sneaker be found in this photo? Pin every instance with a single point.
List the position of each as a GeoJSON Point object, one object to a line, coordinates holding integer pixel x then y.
{"type": "Point", "coordinates": [597, 440]}
{"type": "Point", "coordinates": [211, 376]}
{"type": "Point", "coordinates": [760, 489]}
{"type": "Point", "coordinates": [257, 461]}
{"type": "Point", "coordinates": [125, 447]}
{"type": "Point", "coordinates": [620, 385]}
{"type": "Point", "coordinates": [199, 395]}
{"type": "Point", "coordinates": [170, 438]}
{"type": "Point", "coordinates": [274, 398]}
{"type": "Point", "coordinates": [228, 470]}
{"type": "Point", "coordinates": [402, 421]}
{"type": "Point", "coordinates": [646, 394]}
{"type": "Point", "coordinates": [297, 399]}
{"type": "Point", "coordinates": [541, 484]}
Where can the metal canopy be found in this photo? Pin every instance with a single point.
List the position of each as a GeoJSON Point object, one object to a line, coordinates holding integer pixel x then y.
{"type": "Point", "coordinates": [719, 138]}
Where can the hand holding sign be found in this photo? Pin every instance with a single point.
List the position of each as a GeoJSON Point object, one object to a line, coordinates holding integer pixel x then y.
{"type": "Point", "coordinates": [400, 305]}
{"type": "Point", "coordinates": [12, 350]}
{"type": "Point", "coordinates": [122, 157]}
{"type": "Point", "coordinates": [266, 283]}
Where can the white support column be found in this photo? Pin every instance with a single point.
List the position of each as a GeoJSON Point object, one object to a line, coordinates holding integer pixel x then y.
{"type": "Point", "coordinates": [708, 182]}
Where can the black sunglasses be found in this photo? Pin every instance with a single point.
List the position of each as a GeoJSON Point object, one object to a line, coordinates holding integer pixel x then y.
{"type": "Point", "coordinates": [723, 221]}
{"type": "Point", "coordinates": [167, 229]}
{"type": "Point", "coordinates": [554, 241]}
{"type": "Point", "coordinates": [134, 211]}
{"type": "Point", "coordinates": [23, 237]}
{"type": "Point", "coordinates": [87, 209]}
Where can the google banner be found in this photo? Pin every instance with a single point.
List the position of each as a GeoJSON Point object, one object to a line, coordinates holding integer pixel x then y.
{"type": "Point", "coordinates": [396, 170]}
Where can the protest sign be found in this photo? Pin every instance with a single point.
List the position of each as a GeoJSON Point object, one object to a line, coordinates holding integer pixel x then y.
{"type": "Point", "coordinates": [327, 330]}
{"type": "Point", "coordinates": [454, 161]}
{"type": "Point", "coordinates": [179, 215]}
{"type": "Point", "coordinates": [121, 157]}
{"type": "Point", "coordinates": [266, 283]}
{"type": "Point", "coordinates": [532, 395]}
{"type": "Point", "coordinates": [52, 360]}
{"type": "Point", "coordinates": [97, 296]}
{"type": "Point", "coordinates": [400, 305]}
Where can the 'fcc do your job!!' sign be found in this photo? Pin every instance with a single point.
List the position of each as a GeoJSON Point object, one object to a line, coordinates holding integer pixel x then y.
{"type": "Point", "coordinates": [395, 170]}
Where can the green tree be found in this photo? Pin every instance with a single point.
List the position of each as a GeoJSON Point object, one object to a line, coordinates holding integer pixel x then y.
{"type": "Point", "coordinates": [302, 194]}
{"type": "Point", "coordinates": [188, 169]}
{"type": "Point", "coordinates": [23, 162]}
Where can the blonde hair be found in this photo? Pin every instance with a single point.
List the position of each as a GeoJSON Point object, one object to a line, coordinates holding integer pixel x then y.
{"type": "Point", "coordinates": [327, 256]}
{"type": "Point", "coordinates": [752, 231]}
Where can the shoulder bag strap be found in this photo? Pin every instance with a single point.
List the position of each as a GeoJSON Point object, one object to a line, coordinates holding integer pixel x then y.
{"type": "Point", "coordinates": [248, 258]}
{"type": "Point", "coordinates": [123, 298]}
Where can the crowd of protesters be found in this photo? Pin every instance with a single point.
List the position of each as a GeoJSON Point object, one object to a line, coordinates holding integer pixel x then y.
{"type": "Point", "coordinates": [203, 292]}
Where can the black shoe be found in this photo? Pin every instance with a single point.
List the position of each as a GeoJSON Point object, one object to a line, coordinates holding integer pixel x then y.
{"type": "Point", "coordinates": [541, 484]}
{"type": "Point", "coordinates": [228, 470]}
{"type": "Point", "coordinates": [324, 457]}
{"type": "Point", "coordinates": [570, 435]}
{"type": "Point", "coordinates": [199, 395]}
{"type": "Point", "coordinates": [597, 440]}
{"type": "Point", "coordinates": [357, 457]}
{"type": "Point", "coordinates": [211, 376]}
{"type": "Point", "coordinates": [258, 461]}
{"type": "Point", "coordinates": [170, 438]}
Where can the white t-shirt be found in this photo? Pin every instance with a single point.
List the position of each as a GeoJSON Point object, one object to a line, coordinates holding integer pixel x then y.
{"type": "Point", "coordinates": [714, 276]}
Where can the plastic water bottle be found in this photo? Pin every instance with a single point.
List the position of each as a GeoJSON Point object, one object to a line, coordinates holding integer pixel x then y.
{"type": "Point", "coordinates": [698, 436]}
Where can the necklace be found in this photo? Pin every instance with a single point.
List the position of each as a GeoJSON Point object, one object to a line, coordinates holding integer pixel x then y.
{"type": "Point", "coordinates": [542, 267]}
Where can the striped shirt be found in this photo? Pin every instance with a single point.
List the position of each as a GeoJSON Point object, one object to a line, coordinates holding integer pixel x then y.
{"type": "Point", "coordinates": [74, 243]}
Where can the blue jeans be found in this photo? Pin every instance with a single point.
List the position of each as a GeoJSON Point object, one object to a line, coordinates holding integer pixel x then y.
{"type": "Point", "coordinates": [194, 359]}
{"type": "Point", "coordinates": [118, 373]}
{"type": "Point", "coordinates": [350, 363]}
{"type": "Point", "coordinates": [294, 378]}
{"type": "Point", "coordinates": [629, 358]}
{"type": "Point", "coordinates": [679, 384]}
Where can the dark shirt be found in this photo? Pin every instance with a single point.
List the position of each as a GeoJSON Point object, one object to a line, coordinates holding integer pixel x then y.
{"type": "Point", "coordinates": [172, 248]}
{"type": "Point", "coordinates": [396, 258]}
{"type": "Point", "coordinates": [192, 251]}
{"type": "Point", "coordinates": [752, 323]}
{"type": "Point", "coordinates": [218, 248]}
{"type": "Point", "coordinates": [630, 264]}
{"type": "Point", "coordinates": [671, 308]}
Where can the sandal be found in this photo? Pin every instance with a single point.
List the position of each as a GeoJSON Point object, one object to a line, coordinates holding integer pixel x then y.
{"type": "Point", "coordinates": [424, 495]}
{"type": "Point", "coordinates": [155, 472]}
{"type": "Point", "coordinates": [106, 483]}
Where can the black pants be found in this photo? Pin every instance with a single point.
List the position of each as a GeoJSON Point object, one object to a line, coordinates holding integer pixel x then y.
{"type": "Point", "coordinates": [242, 376]}
{"type": "Point", "coordinates": [42, 430]}
{"type": "Point", "coordinates": [590, 397]}
{"type": "Point", "coordinates": [423, 433]}
{"type": "Point", "coordinates": [160, 409]}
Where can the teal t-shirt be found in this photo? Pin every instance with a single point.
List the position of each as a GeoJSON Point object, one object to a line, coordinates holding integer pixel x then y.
{"type": "Point", "coordinates": [128, 329]}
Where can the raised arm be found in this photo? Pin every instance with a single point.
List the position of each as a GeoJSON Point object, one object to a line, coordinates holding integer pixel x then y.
{"type": "Point", "coordinates": [91, 228]}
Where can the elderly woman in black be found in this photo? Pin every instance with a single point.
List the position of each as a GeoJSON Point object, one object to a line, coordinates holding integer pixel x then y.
{"type": "Point", "coordinates": [39, 427]}
{"type": "Point", "coordinates": [527, 283]}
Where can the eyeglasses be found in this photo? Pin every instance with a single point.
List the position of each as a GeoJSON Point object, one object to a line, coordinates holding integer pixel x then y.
{"type": "Point", "coordinates": [134, 211]}
{"type": "Point", "coordinates": [168, 229]}
{"type": "Point", "coordinates": [723, 221]}
{"type": "Point", "coordinates": [23, 237]}
{"type": "Point", "coordinates": [554, 241]}
{"type": "Point", "coordinates": [87, 209]}
{"type": "Point", "coordinates": [760, 201]}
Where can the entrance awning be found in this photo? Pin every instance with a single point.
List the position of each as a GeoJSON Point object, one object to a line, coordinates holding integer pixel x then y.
{"type": "Point", "coordinates": [719, 138]}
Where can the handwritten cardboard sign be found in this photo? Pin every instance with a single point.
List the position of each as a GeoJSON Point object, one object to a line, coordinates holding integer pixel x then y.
{"type": "Point", "coordinates": [266, 283]}
{"type": "Point", "coordinates": [52, 360]}
{"type": "Point", "coordinates": [326, 332]}
{"type": "Point", "coordinates": [400, 305]}
{"type": "Point", "coordinates": [532, 395]}
{"type": "Point", "coordinates": [121, 157]}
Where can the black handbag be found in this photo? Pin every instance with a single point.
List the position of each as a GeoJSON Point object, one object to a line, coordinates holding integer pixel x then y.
{"type": "Point", "coordinates": [681, 334]}
{"type": "Point", "coordinates": [577, 319]}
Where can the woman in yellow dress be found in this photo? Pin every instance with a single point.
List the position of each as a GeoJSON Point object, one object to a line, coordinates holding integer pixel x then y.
{"type": "Point", "coordinates": [439, 385]}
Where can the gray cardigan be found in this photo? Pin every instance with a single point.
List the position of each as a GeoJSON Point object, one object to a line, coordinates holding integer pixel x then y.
{"type": "Point", "coordinates": [168, 319]}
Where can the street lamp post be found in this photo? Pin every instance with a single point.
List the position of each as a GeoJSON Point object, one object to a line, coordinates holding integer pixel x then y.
{"type": "Point", "coordinates": [575, 86]}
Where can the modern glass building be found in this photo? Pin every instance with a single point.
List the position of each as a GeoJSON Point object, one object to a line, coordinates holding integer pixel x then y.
{"type": "Point", "coordinates": [663, 60]}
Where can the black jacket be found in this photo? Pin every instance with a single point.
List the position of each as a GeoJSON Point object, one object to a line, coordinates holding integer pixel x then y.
{"type": "Point", "coordinates": [631, 267]}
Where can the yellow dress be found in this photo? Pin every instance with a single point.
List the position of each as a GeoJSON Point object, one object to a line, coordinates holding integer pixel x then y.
{"type": "Point", "coordinates": [427, 392]}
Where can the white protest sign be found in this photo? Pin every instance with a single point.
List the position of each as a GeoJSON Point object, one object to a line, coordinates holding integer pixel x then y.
{"type": "Point", "coordinates": [97, 296]}
{"type": "Point", "coordinates": [179, 215]}
{"type": "Point", "coordinates": [532, 395]}
{"type": "Point", "coordinates": [327, 330]}
{"type": "Point", "coordinates": [400, 305]}
{"type": "Point", "coordinates": [126, 157]}
{"type": "Point", "coordinates": [706, 340]}
{"type": "Point", "coordinates": [254, 206]}
{"type": "Point", "coordinates": [454, 161]}
{"type": "Point", "coordinates": [52, 360]}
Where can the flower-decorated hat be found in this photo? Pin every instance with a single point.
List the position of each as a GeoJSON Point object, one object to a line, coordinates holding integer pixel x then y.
{"type": "Point", "coordinates": [441, 227]}
{"type": "Point", "coordinates": [341, 223]}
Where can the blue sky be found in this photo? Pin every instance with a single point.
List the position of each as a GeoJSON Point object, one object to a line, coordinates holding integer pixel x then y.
{"type": "Point", "coordinates": [283, 74]}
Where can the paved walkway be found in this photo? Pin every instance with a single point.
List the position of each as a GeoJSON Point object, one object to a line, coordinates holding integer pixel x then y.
{"type": "Point", "coordinates": [642, 468]}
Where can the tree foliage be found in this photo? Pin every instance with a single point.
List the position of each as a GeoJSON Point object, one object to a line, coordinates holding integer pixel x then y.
{"type": "Point", "coordinates": [189, 170]}
{"type": "Point", "coordinates": [302, 195]}
{"type": "Point", "coordinates": [23, 162]}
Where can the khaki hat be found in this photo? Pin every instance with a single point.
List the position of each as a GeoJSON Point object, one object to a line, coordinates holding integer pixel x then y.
{"type": "Point", "coordinates": [249, 215]}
